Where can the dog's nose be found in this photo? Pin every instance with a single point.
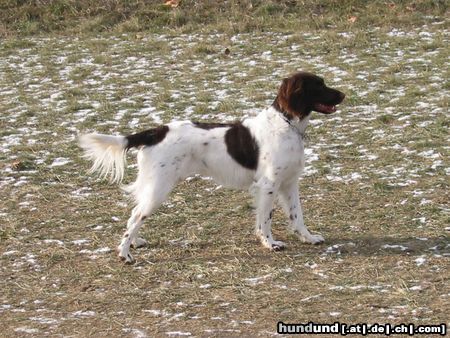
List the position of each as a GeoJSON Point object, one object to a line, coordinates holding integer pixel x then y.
{"type": "Point", "coordinates": [342, 96]}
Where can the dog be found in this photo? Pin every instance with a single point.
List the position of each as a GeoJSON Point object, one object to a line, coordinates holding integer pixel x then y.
{"type": "Point", "coordinates": [264, 154]}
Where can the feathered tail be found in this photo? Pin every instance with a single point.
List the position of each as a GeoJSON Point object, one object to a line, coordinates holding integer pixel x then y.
{"type": "Point", "coordinates": [107, 153]}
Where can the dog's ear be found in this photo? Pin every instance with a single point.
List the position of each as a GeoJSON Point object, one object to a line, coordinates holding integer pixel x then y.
{"type": "Point", "coordinates": [289, 99]}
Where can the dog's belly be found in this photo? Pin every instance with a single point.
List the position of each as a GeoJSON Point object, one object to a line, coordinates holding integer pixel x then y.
{"type": "Point", "coordinates": [224, 171]}
{"type": "Point", "coordinates": [240, 179]}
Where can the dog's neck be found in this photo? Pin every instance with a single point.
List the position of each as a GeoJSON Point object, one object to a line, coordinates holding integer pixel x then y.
{"type": "Point", "coordinates": [297, 124]}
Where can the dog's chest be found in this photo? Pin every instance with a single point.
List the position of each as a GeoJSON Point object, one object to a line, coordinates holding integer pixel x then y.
{"type": "Point", "coordinates": [283, 155]}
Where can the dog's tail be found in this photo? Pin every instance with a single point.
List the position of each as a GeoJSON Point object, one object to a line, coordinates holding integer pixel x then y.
{"type": "Point", "coordinates": [107, 153]}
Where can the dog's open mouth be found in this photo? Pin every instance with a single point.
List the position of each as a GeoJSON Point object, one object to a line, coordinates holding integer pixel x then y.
{"type": "Point", "coordinates": [324, 108]}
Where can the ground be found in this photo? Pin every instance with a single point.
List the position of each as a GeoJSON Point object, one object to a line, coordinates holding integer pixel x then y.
{"type": "Point", "coordinates": [375, 186]}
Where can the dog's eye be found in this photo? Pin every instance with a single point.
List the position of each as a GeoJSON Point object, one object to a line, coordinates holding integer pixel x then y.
{"type": "Point", "coordinates": [317, 85]}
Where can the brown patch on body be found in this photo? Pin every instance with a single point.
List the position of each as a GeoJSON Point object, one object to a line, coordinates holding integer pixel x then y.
{"type": "Point", "coordinates": [149, 137]}
{"type": "Point", "coordinates": [241, 146]}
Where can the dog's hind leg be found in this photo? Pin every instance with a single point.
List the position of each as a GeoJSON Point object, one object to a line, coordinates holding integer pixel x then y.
{"type": "Point", "coordinates": [149, 200]}
{"type": "Point", "coordinates": [130, 236]}
{"type": "Point", "coordinates": [136, 242]}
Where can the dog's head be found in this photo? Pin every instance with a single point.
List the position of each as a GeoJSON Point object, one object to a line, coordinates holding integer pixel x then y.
{"type": "Point", "coordinates": [304, 92]}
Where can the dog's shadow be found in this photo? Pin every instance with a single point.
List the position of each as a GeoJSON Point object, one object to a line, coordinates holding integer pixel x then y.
{"type": "Point", "coordinates": [386, 246]}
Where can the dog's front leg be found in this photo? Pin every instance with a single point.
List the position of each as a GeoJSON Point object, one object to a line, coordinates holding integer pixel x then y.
{"type": "Point", "coordinates": [290, 201]}
{"type": "Point", "coordinates": [265, 198]}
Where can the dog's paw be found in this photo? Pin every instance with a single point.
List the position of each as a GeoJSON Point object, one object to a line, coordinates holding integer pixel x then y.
{"type": "Point", "coordinates": [312, 239]}
{"type": "Point", "coordinates": [125, 256]}
{"type": "Point", "coordinates": [273, 245]}
{"type": "Point", "coordinates": [138, 243]}
{"type": "Point", "coordinates": [127, 259]}
{"type": "Point", "coordinates": [278, 245]}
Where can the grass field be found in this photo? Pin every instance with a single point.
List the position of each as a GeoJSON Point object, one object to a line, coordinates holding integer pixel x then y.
{"type": "Point", "coordinates": [376, 183]}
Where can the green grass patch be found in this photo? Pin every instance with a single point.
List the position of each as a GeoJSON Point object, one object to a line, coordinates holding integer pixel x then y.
{"type": "Point", "coordinates": [88, 16]}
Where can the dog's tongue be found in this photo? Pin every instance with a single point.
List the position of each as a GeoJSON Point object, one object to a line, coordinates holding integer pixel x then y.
{"type": "Point", "coordinates": [325, 108]}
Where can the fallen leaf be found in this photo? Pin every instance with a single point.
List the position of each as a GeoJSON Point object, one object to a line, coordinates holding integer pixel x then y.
{"type": "Point", "coordinates": [172, 3]}
{"type": "Point", "coordinates": [16, 165]}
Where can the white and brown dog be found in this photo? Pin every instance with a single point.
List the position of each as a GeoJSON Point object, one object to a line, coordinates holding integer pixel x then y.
{"type": "Point", "coordinates": [264, 154]}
